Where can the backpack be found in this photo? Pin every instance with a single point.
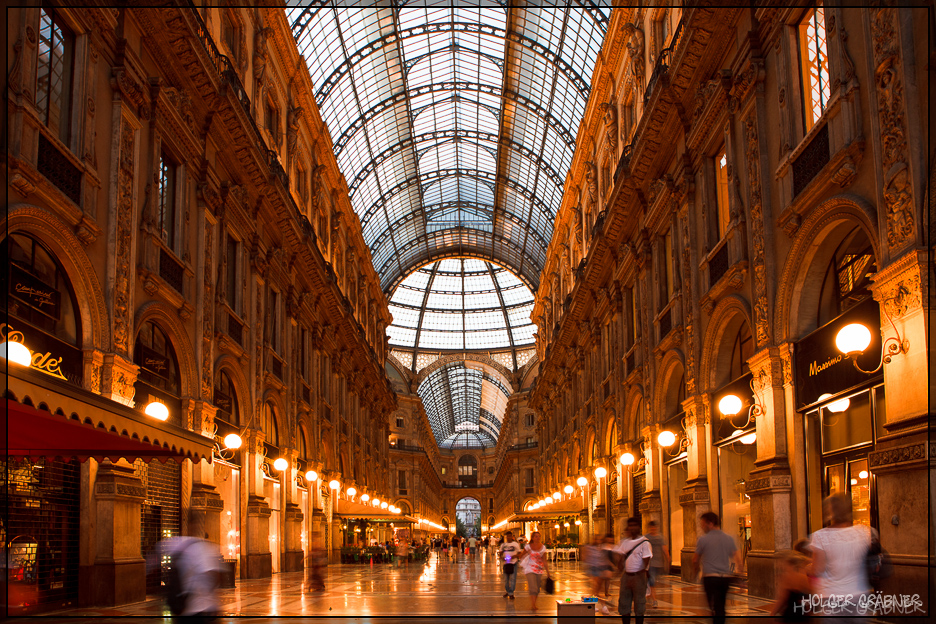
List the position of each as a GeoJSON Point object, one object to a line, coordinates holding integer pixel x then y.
{"type": "Point", "coordinates": [176, 595]}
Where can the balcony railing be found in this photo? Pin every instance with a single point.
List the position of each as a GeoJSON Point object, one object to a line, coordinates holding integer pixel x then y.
{"type": "Point", "coordinates": [663, 62]}
{"type": "Point", "coordinates": [522, 447]}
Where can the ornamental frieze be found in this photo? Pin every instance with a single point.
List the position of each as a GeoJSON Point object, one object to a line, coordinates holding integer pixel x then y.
{"type": "Point", "coordinates": [887, 457]}
{"type": "Point", "coordinates": [768, 483]}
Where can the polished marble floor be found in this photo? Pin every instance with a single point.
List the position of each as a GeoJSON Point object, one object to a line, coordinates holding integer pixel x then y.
{"type": "Point", "coordinates": [435, 590]}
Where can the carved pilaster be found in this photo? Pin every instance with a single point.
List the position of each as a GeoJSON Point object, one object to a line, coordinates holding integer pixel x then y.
{"type": "Point", "coordinates": [118, 376]}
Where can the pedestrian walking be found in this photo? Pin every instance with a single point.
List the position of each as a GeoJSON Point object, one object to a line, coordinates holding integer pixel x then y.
{"type": "Point", "coordinates": [715, 552]}
{"type": "Point", "coordinates": [533, 563]}
{"type": "Point", "coordinates": [659, 561]}
{"type": "Point", "coordinates": [194, 575]}
{"type": "Point", "coordinates": [840, 552]}
{"type": "Point", "coordinates": [316, 561]}
{"type": "Point", "coordinates": [597, 564]}
{"type": "Point", "coordinates": [793, 588]}
{"type": "Point", "coordinates": [510, 552]}
{"type": "Point", "coordinates": [634, 560]}
{"type": "Point", "coordinates": [472, 547]}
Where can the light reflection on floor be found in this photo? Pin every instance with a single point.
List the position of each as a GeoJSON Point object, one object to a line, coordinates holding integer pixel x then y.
{"type": "Point", "coordinates": [437, 588]}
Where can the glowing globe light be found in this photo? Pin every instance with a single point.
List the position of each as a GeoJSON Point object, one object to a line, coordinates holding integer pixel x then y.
{"type": "Point", "coordinates": [376, 502]}
{"type": "Point", "coordinates": [566, 525]}
{"type": "Point", "coordinates": [578, 523]}
{"type": "Point", "coordinates": [863, 474]}
{"type": "Point", "coordinates": [351, 492]}
{"type": "Point", "coordinates": [628, 459]}
{"type": "Point", "coordinates": [729, 405]}
{"type": "Point", "coordinates": [232, 441]}
{"type": "Point", "coordinates": [384, 505]}
{"type": "Point", "coordinates": [568, 489]}
{"type": "Point", "coordinates": [582, 481]}
{"type": "Point", "coordinates": [280, 464]}
{"type": "Point", "coordinates": [365, 498]}
{"type": "Point", "coordinates": [557, 526]}
{"type": "Point", "coordinates": [852, 339]}
{"type": "Point", "coordinates": [750, 438]}
{"type": "Point", "coordinates": [666, 438]}
{"type": "Point", "coordinates": [557, 495]}
{"type": "Point", "coordinates": [601, 472]}
{"type": "Point", "coordinates": [837, 407]}
{"type": "Point", "coordinates": [334, 484]}
{"type": "Point", "coordinates": [311, 476]}
{"type": "Point", "coordinates": [397, 510]}
{"type": "Point", "coordinates": [157, 410]}
{"type": "Point", "coordinates": [16, 352]}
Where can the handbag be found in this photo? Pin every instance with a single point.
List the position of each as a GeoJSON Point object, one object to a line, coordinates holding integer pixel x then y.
{"type": "Point", "coordinates": [878, 564]}
{"type": "Point", "coordinates": [549, 585]}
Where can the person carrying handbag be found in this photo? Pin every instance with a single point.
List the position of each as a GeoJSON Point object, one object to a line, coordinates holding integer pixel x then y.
{"type": "Point", "coordinates": [510, 553]}
{"type": "Point", "coordinates": [533, 562]}
{"type": "Point", "coordinates": [635, 555]}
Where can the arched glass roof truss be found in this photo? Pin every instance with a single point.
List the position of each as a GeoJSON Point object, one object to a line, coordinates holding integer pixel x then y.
{"type": "Point", "coordinates": [465, 405]}
{"type": "Point", "coordinates": [455, 127]}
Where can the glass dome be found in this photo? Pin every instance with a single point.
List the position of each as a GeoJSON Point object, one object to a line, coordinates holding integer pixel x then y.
{"type": "Point", "coordinates": [459, 304]}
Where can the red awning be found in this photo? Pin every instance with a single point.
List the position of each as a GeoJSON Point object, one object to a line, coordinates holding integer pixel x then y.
{"type": "Point", "coordinates": [29, 432]}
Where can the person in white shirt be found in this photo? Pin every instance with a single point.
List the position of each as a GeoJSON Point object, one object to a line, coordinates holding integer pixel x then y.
{"type": "Point", "coordinates": [510, 553]}
{"type": "Point", "coordinates": [635, 555]}
{"type": "Point", "coordinates": [200, 569]}
{"type": "Point", "coordinates": [839, 554]}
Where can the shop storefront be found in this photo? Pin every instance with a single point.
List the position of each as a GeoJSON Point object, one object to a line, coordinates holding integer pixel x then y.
{"type": "Point", "coordinates": [843, 415]}
{"type": "Point", "coordinates": [734, 436]}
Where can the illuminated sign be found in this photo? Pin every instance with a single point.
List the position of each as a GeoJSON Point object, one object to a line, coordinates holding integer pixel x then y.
{"type": "Point", "coordinates": [42, 362]}
{"type": "Point", "coordinates": [34, 293]}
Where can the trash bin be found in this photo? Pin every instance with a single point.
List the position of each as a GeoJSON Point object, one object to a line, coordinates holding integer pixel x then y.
{"type": "Point", "coordinates": [228, 573]}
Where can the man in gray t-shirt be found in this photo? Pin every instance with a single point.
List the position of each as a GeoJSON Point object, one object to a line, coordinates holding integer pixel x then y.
{"type": "Point", "coordinates": [715, 550]}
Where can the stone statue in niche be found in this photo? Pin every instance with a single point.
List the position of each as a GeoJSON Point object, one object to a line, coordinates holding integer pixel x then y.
{"type": "Point", "coordinates": [611, 125]}
{"type": "Point", "coordinates": [591, 179]}
{"type": "Point", "coordinates": [635, 46]}
{"type": "Point", "coordinates": [260, 54]}
{"type": "Point", "coordinates": [292, 129]}
{"type": "Point", "coordinates": [899, 200]}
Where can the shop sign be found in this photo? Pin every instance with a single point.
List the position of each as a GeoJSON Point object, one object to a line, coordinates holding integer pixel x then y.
{"type": "Point", "coordinates": [35, 293]}
{"type": "Point", "coordinates": [822, 369]}
{"type": "Point", "coordinates": [154, 362]}
{"type": "Point", "coordinates": [42, 362]}
{"type": "Point", "coordinates": [222, 401]}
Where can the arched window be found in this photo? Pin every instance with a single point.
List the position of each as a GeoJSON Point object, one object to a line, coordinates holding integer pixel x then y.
{"type": "Point", "coordinates": [741, 352]}
{"type": "Point", "coordinates": [594, 450]}
{"type": "Point", "coordinates": [39, 291]}
{"type": "Point", "coordinates": [156, 358]}
{"type": "Point", "coordinates": [848, 277]}
{"type": "Point", "coordinates": [268, 425]}
{"type": "Point", "coordinates": [225, 399]}
{"type": "Point", "coordinates": [612, 436]}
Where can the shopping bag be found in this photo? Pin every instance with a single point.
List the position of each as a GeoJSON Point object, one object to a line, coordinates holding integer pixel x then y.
{"type": "Point", "coordinates": [549, 586]}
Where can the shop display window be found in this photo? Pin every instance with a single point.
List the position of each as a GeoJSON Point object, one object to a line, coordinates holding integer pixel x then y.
{"type": "Point", "coordinates": [677, 474]}
{"type": "Point", "coordinates": [735, 463]}
{"type": "Point", "coordinates": [227, 482]}
{"type": "Point", "coordinates": [271, 490]}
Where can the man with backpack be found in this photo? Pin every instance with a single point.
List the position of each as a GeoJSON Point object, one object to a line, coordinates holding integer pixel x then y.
{"type": "Point", "coordinates": [634, 559]}
{"type": "Point", "coordinates": [193, 574]}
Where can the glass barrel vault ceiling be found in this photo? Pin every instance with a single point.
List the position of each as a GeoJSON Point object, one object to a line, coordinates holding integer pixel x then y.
{"type": "Point", "coordinates": [465, 405]}
{"type": "Point", "coordinates": [461, 304]}
{"type": "Point", "coordinates": [455, 127]}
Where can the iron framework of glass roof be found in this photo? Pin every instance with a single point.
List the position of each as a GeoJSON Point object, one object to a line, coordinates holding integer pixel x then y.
{"type": "Point", "coordinates": [461, 304]}
{"type": "Point", "coordinates": [454, 127]}
{"type": "Point", "coordinates": [465, 405]}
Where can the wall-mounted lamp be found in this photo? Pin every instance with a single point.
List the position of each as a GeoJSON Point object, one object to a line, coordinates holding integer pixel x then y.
{"type": "Point", "coordinates": [601, 472]}
{"type": "Point", "coordinates": [280, 464]}
{"type": "Point", "coordinates": [556, 496]}
{"type": "Point", "coordinates": [334, 484]}
{"type": "Point", "coordinates": [582, 481]}
{"type": "Point", "coordinates": [365, 498]}
{"type": "Point", "coordinates": [351, 492]}
{"type": "Point", "coordinates": [578, 523]}
{"type": "Point", "coordinates": [568, 489]}
{"type": "Point", "coordinates": [667, 439]}
{"type": "Point", "coordinates": [854, 339]}
{"type": "Point", "coordinates": [311, 476]}
{"type": "Point", "coordinates": [15, 352]}
{"type": "Point", "coordinates": [156, 410]}
{"type": "Point", "coordinates": [730, 405]}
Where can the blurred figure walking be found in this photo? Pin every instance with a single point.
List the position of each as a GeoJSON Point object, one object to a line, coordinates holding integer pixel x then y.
{"type": "Point", "coordinates": [715, 552]}
{"type": "Point", "coordinates": [533, 562]}
{"type": "Point", "coordinates": [316, 561]}
{"type": "Point", "coordinates": [194, 573]}
{"type": "Point", "coordinates": [660, 559]}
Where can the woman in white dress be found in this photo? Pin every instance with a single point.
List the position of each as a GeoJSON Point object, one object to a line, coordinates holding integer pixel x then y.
{"type": "Point", "coordinates": [534, 565]}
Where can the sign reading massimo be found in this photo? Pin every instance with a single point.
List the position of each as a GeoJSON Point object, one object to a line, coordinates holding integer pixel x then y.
{"type": "Point", "coordinates": [822, 369]}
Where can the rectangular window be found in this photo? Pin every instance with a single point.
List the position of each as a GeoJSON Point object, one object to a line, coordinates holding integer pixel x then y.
{"type": "Point", "coordinates": [814, 65]}
{"type": "Point", "coordinates": [528, 477]}
{"type": "Point", "coordinates": [444, 470]}
{"type": "Point", "coordinates": [402, 477]}
{"type": "Point", "coordinates": [54, 70]}
{"type": "Point", "coordinates": [271, 121]}
{"type": "Point", "coordinates": [230, 279]}
{"type": "Point", "coordinates": [530, 420]}
{"type": "Point", "coordinates": [165, 202]}
{"type": "Point", "coordinates": [273, 316]}
{"type": "Point", "coordinates": [721, 192]}
{"type": "Point", "coordinates": [399, 423]}
{"type": "Point", "coordinates": [667, 276]}
{"type": "Point", "coordinates": [229, 34]}
{"type": "Point", "coordinates": [303, 353]}
{"type": "Point", "coordinates": [529, 440]}
{"type": "Point", "coordinates": [302, 182]}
